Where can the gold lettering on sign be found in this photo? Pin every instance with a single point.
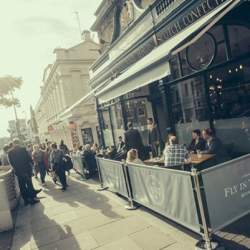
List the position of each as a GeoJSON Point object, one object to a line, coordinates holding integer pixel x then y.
{"type": "Point", "coordinates": [193, 15]}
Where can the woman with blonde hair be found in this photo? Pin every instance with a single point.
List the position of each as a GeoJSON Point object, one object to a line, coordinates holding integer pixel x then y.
{"type": "Point", "coordinates": [132, 157]}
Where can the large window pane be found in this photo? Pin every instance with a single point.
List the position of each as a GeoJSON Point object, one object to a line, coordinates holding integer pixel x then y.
{"type": "Point", "coordinates": [239, 37]}
{"type": "Point", "coordinates": [107, 132]}
{"type": "Point", "coordinates": [229, 91]}
{"type": "Point", "coordinates": [189, 107]}
{"type": "Point", "coordinates": [137, 111]}
{"type": "Point", "coordinates": [117, 121]}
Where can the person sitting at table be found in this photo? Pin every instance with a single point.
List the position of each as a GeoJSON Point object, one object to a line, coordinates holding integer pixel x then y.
{"type": "Point", "coordinates": [174, 154]}
{"type": "Point", "coordinates": [111, 153]}
{"type": "Point", "coordinates": [197, 143]}
{"type": "Point", "coordinates": [132, 157]}
{"type": "Point", "coordinates": [214, 146]}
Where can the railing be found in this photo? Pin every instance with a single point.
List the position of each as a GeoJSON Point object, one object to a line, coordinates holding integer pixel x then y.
{"type": "Point", "coordinates": [163, 5]}
{"type": "Point", "coordinates": [202, 201]}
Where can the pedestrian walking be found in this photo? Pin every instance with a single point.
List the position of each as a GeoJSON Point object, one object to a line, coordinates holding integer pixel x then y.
{"type": "Point", "coordinates": [64, 147]}
{"type": "Point", "coordinates": [57, 163]}
{"type": "Point", "coordinates": [21, 162]}
{"type": "Point", "coordinates": [38, 156]}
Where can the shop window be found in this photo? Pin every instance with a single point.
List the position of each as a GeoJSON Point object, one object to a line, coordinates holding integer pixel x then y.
{"type": "Point", "coordinates": [201, 54]}
{"type": "Point", "coordinates": [209, 49]}
{"type": "Point", "coordinates": [87, 136]}
{"type": "Point", "coordinates": [189, 107]}
{"type": "Point", "coordinates": [175, 67]}
{"type": "Point", "coordinates": [137, 111]}
{"type": "Point", "coordinates": [218, 33]}
{"type": "Point", "coordinates": [239, 37]}
{"type": "Point", "coordinates": [106, 125]}
{"type": "Point", "coordinates": [229, 93]}
{"type": "Point", "coordinates": [117, 121]}
{"type": "Point", "coordinates": [221, 54]}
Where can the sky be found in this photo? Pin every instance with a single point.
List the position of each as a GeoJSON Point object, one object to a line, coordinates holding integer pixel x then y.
{"type": "Point", "coordinates": [30, 30]}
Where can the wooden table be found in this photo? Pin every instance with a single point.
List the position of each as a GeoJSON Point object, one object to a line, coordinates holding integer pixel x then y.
{"type": "Point", "coordinates": [195, 160]}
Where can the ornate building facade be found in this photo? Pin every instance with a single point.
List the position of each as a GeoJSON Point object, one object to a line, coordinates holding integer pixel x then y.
{"type": "Point", "coordinates": [184, 63]}
{"type": "Point", "coordinates": [64, 83]}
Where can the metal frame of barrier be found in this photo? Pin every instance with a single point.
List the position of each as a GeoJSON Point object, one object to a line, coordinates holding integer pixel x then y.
{"type": "Point", "coordinates": [226, 192]}
{"type": "Point", "coordinates": [199, 192]}
{"type": "Point", "coordinates": [77, 161]}
{"type": "Point", "coordinates": [120, 183]}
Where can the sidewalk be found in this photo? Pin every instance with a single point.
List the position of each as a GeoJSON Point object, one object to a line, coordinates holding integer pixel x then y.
{"type": "Point", "coordinates": [83, 218]}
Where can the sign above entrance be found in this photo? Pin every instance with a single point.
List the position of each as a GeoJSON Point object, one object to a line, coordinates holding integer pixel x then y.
{"type": "Point", "coordinates": [191, 15]}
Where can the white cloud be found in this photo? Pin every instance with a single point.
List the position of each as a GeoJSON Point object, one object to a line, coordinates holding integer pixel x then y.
{"type": "Point", "coordinates": [30, 30]}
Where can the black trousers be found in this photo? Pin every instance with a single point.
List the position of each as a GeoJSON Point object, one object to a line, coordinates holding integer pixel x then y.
{"type": "Point", "coordinates": [26, 187]}
{"type": "Point", "coordinates": [42, 170]}
{"type": "Point", "coordinates": [60, 172]}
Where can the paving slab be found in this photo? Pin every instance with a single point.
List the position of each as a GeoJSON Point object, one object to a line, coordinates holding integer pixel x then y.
{"type": "Point", "coordinates": [152, 238]}
{"type": "Point", "coordinates": [83, 218]}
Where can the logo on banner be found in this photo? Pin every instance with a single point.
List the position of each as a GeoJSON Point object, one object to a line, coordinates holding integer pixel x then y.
{"type": "Point", "coordinates": [242, 188]}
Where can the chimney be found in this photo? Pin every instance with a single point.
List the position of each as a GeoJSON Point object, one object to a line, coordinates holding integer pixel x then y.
{"type": "Point", "coordinates": [86, 35]}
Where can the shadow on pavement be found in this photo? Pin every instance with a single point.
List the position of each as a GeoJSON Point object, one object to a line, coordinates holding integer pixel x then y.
{"type": "Point", "coordinates": [237, 235]}
{"type": "Point", "coordinates": [80, 193]}
{"type": "Point", "coordinates": [32, 236]}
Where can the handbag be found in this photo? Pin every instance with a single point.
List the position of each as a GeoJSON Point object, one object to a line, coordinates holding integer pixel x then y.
{"type": "Point", "coordinates": [68, 164]}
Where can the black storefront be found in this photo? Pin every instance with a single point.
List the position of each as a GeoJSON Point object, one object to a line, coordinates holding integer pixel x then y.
{"type": "Point", "coordinates": [209, 86]}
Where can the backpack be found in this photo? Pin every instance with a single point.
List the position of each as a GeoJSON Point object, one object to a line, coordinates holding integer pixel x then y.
{"type": "Point", "coordinates": [68, 164]}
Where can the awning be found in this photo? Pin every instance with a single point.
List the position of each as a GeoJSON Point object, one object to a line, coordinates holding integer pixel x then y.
{"type": "Point", "coordinates": [155, 65]}
{"type": "Point", "coordinates": [68, 112]}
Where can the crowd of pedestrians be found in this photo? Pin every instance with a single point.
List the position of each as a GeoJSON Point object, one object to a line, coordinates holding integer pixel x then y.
{"type": "Point", "coordinates": [39, 160]}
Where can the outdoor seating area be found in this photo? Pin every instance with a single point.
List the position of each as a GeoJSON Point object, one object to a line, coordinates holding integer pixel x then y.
{"type": "Point", "coordinates": [189, 198]}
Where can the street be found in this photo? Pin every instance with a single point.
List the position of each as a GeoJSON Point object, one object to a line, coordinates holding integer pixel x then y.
{"type": "Point", "coordinates": [83, 218]}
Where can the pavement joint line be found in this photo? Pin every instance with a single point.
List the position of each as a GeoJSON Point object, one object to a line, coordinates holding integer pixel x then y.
{"type": "Point", "coordinates": [168, 245]}
{"type": "Point", "coordinates": [140, 230]}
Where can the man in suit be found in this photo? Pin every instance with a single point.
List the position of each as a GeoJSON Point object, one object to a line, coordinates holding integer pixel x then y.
{"type": "Point", "coordinates": [57, 161]}
{"type": "Point", "coordinates": [214, 146]}
{"type": "Point", "coordinates": [153, 136]}
{"type": "Point", "coordinates": [133, 141]}
{"type": "Point", "coordinates": [21, 162]}
{"type": "Point", "coordinates": [197, 143]}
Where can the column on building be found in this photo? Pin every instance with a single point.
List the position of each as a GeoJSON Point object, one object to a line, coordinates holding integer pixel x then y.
{"type": "Point", "coordinates": [54, 100]}
{"type": "Point", "coordinates": [62, 94]}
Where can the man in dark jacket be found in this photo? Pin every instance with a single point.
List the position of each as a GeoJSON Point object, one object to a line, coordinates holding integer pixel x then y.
{"type": "Point", "coordinates": [153, 137]}
{"type": "Point", "coordinates": [197, 143]}
{"type": "Point", "coordinates": [21, 162]}
{"type": "Point", "coordinates": [215, 146]}
{"type": "Point", "coordinates": [89, 161]}
{"type": "Point", "coordinates": [57, 162]}
{"type": "Point", "coordinates": [133, 141]}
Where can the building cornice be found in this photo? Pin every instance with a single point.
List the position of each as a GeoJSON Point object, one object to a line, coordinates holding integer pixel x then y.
{"type": "Point", "coordinates": [101, 12]}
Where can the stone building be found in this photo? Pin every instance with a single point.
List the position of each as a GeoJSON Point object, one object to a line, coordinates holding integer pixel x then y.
{"type": "Point", "coordinates": [64, 83]}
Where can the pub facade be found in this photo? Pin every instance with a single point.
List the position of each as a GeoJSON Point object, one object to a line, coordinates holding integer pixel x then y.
{"type": "Point", "coordinates": [186, 64]}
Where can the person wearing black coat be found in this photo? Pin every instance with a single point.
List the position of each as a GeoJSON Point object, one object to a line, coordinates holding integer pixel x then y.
{"type": "Point", "coordinates": [57, 161]}
{"type": "Point", "coordinates": [153, 137]}
{"type": "Point", "coordinates": [215, 146]}
{"type": "Point", "coordinates": [197, 143]}
{"type": "Point", "coordinates": [89, 161]}
{"type": "Point", "coordinates": [21, 162]}
{"type": "Point", "coordinates": [133, 140]}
